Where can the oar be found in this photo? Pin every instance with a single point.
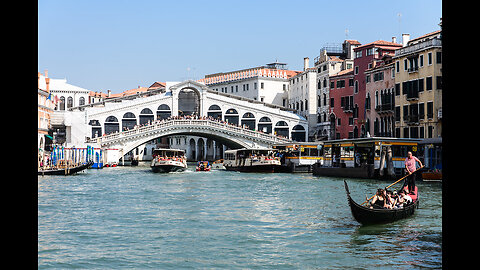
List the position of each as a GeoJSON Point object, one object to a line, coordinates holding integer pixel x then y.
{"type": "Point", "coordinates": [394, 183]}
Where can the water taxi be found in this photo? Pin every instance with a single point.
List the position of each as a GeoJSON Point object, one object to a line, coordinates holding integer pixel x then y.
{"type": "Point", "coordinates": [373, 157]}
{"type": "Point", "coordinates": [300, 156]}
{"type": "Point", "coordinates": [251, 160]}
{"type": "Point", "coordinates": [168, 160]}
{"type": "Point", "coordinates": [218, 165]}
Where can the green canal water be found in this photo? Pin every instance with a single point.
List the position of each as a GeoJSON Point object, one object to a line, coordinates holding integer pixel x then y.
{"type": "Point", "coordinates": [131, 218]}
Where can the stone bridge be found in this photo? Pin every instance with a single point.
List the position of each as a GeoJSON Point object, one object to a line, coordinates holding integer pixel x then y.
{"type": "Point", "coordinates": [126, 123]}
{"type": "Point", "coordinates": [232, 136]}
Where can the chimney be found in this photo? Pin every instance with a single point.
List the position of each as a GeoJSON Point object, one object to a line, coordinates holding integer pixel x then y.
{"type": "Point", "coordinates": [305, 63]}
{"type": "Point", "coordinates": [109, 92]}
{"type": "Point", "coordinates": [394, 39]}
{"type": "Point", "coordinates": [46, 73]}
{"type": "Point", "coordinates": [47, 80]}
{"type": "Point", "coordinates": [405, 39]}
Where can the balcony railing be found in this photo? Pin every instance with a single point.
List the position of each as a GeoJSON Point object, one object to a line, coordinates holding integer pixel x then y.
{"type": "Point", "coordinates": [418, 47]}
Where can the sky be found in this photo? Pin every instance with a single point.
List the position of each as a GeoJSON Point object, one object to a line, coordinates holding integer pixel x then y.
{"type": "Point", "coordinates": [123, 44]}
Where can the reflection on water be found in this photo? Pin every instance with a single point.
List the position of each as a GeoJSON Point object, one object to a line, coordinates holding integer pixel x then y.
{"type": "Point", "coordinates": [129, 217]}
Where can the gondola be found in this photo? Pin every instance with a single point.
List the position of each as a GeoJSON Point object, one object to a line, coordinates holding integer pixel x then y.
{"type": "Point", "coordinates": [367, 216]}
{"type": "Point", "coordinates": [66, 171]}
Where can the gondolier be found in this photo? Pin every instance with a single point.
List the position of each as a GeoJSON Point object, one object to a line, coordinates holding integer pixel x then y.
{"type": "Point", "coordinates": [411, 166]}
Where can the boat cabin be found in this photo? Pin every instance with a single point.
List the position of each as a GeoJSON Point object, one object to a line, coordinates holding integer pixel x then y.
{"type": "Point", "coordinates": [368, 155]}
{"type": "Point", "coordinates": [168, 153]}
{"type": "Point", "coordinates": [300, 157]}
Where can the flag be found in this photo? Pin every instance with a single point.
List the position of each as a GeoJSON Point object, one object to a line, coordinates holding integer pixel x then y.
{"type": "Point", "coordinates": [49, 96]}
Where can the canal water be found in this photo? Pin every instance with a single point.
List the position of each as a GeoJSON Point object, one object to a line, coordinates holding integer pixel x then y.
{"type": "Point", "coordinates": [129, 217]}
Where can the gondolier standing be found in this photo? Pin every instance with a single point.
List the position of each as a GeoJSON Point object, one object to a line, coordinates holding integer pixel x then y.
{"type": "Point", "coordinates": [410, 166]}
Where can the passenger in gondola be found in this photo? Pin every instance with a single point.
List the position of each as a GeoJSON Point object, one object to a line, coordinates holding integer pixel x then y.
{"type": "Point", "coordinates": [379, 200]}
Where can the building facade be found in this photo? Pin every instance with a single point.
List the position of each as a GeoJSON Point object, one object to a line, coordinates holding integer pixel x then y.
{"type": "Point", "coordinates": [302, 95]}
{"type": "Point", "coordinates": [380, 98]}
{"type": "Point", "coordinates": [45, 109]}
{"type": "Point", "coordinates": [341, 113]}
{"type": "Point", "coordinates": [418, 87]}
{"type": "Point", "coordinates": [268, 84]}
{"type": "Point", "coordinates": [366, 56]}
{"type": "Point", "coordinates": [332, 60]}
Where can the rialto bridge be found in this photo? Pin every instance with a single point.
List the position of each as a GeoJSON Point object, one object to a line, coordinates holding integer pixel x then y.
{"type": "Point", "coordinates": [189, 109]}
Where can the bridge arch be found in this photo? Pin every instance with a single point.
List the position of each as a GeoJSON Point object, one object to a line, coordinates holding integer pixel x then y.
{"type": "Point", "coordinates": [189, 101]}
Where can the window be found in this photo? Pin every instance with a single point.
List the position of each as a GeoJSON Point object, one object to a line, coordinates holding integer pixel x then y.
{"type": "Point", "coordinates": [81, 101]}
{"type": "Point", "coordinates": [356, 87]}
{"type": "Point", "coordinates": [405, 64]}
{"type": "Point", "coordinates": [332, 102]}
{"type": "Point", "coordinates": [398, 66]}
{"type": "Point", "coordinates": [356, 70]}
{"type": "Point", "coordinates": [397, 113]}
{"type": "Point", "coordinates": [439, 57]}
{"type": "Point", "coordinates": [397, 89]}
{"type": "Point", "coordinates": [255, 85]}
{"type": "Point", "coordinates": [358, 54]}
{"type": "Point", "coordinates": [231, 89]}
{"type": "Point", "coordinates": [236, 88]}
{"type": "Point", "coordinates": [429, 56]}
{"type": "Point", "coordinates": [429, 83]}
{"type": "Point", "coordinates": [429, 110]}
{"type": "Point", "coordinates": [369, 52]}
{"type": "Point", "coordinates": [367, 78]}
{"type": "Point", "coordinates": [332, 85]}
{"type": "Point", "coordinates": [261, 85]}
{"type": "Point", "coordinates": [350, 82]}
{"type": "Point", "coordinates": [69, 102]}
{"type": "Point", "coordinates": [339, 122]}
{"type": "Point", "coordinates": [421, 60]}
{"type": "Point", "coordinates": [284, 87]}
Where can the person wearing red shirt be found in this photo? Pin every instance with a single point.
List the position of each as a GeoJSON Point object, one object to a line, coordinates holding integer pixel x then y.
{"type": "Point", "coordinates": [411, 166]}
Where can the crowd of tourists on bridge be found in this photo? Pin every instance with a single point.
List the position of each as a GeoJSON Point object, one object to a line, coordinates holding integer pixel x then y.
{"type": "Point", "coordinates": [186, 117]}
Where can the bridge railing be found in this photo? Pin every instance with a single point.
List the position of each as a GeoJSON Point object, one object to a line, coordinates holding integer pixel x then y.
{"type": "Point", "coordinates": [189, 122]}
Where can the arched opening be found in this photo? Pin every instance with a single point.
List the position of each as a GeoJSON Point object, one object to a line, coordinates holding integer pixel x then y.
{"type": "Point", "coordinates": [163, 112]}
{"type": "Point", "coordinates": [81, 101]}
{"type": "Point", "coordinates": [69, 102]}
{"type": "Point", "coordinates": [231, 116]}
{"type": "Point", "coordinates": [355, 132]}
{"type": "Point", "coordinates": [188, 102]}
{"type": "Point", "coordinates": [248, 120]}
{"type": "Point", "coordinates": [111, 125]}
{"type": "Point", "coordinates": [128, 121]}
{"type": "Point", "coordinates": [96, 128]}
{"type": "Point", "coordinates": [62, 103]}
{"type": "Point", "coordinates": [145, 116]}
{"type": "Point", "coordinates": [281, 129]}
{"type": "Point", "coordinates": [265, 125]}
{"type": "Point", "coordinates": [215, 111]}
{"type": "Point", "coordinates": [193, 150]}
{"type": "Point", "coordinates": [298, 133]}
{"type": "Point", "coordinates": [201, 149]}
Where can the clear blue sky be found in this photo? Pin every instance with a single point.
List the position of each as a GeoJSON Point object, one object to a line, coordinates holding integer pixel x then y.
{"type": "Point", "coordinates": [119, 45]}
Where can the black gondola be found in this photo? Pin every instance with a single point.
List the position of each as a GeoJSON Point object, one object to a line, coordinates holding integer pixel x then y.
{"type": "Point", "coordinates": [366, 215]}
{"type": "Point", "coordinates": [66, 171]}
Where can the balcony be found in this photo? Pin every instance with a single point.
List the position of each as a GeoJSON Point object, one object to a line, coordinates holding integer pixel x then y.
{"type": "Point", "coordinates": [348, 108]}
{"type": "Point", "coordinates": [418, 47]}
{"type": "Point", "coordinates": [412, 69]}
{"type": "Point", "coordinates": [385, 108]}
{"type": "Point", "coordinates": [414, 119]}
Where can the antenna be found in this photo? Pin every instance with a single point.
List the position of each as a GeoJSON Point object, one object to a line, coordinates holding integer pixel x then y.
{"type": "Point", "coordinates": [346, 33]}
{"type": "Point", "coordinates": [399, 15]}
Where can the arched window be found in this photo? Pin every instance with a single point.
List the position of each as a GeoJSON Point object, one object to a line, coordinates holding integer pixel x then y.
{"type": "Point", "coordinates": [215, 111]}
{"type": "Point", "coordinates": [231, 116]}
{"type": "Point", "coordinates": [145, 116]}
{"type": "Point", "coordinates": [111, 125]}
{"type": "Point", "coordinates": [265, 125]}
{"type": "Point", "coordinates": [163, 112]}
{"type": "Point", "coordinates": [281, 129]}
{"type": "Point", "coordinates": [128, 121]}
{"type": "Point", "coordinates": [248, 119]}
{"type": "Point", "coordinates": [62, 103]}
{"type": "Point", "coordinates": [298, 133]}
{"type": "Point", "coordinates": [81, 101]}
{"type": "Point", "coordinates": [69, 102]}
